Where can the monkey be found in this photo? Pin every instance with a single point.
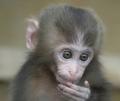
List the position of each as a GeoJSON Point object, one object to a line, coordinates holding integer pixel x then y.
{"type": "Point", "coordinates": [63, 63]}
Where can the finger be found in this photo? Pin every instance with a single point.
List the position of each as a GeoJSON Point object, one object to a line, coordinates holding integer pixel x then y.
{"type": "Point", "coordinates": [73, 97]}
{"type": "Point", "coordinates": [67, 89]}
{"type": "Point", "coordinates": [78, 88]}
{"type": "Point", "coordinates": [87, 83]}
{"type": "Point", "coordinates": [83, 95]}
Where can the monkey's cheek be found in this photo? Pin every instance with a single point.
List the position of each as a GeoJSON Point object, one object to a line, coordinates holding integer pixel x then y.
{"type": "Point", "coordinates": [80, 74]}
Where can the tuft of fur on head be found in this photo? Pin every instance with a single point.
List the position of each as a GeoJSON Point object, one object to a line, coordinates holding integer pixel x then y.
{"type": "Point", "coordinates": [68, 24]}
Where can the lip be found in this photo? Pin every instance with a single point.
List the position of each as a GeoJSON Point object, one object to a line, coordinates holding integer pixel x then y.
{"type": "Point", "coordinates": [63, 80]}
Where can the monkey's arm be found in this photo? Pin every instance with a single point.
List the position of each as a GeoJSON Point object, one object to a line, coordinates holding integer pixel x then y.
{"type": "Point", "coordinates": [99, 94]}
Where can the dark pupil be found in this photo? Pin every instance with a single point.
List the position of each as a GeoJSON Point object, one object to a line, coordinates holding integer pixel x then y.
{"type": "Point", "coordinates": [84, 56]}
{"type": "Point", "coordinates": [67, 54]}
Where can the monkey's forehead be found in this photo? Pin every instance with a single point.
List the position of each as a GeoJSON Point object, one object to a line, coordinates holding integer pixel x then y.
{"type": "Point", "coordinates": [54, 37]}
{"type": "Point", "coordinates": [76, 25]}
{"type": "Point", "coordinates": [73, 46]}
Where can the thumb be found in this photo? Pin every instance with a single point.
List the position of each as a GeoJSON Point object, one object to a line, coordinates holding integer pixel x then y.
{"type": "Point", "coordinates": [87, 83]}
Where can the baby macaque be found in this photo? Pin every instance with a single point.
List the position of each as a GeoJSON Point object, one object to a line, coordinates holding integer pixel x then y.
{"type": "Point", "coordinates": [63, 64]}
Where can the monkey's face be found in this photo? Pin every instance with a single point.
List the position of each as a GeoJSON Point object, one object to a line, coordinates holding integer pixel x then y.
{"type": "Point", "coordinates": [71, 61]}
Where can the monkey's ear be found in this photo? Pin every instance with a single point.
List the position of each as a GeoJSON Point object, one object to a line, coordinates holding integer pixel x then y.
{"type": "Point", "coordinates": [31, 34]}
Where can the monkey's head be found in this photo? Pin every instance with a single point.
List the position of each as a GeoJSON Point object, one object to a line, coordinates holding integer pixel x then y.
{"type": "Point", "coordinates": [68, 36]}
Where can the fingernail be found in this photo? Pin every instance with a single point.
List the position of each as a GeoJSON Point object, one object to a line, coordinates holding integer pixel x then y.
{"type": "Point", "coordinates": [86, 83]}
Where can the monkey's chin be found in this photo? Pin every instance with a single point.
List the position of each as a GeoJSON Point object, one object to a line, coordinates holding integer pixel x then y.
{"type": "Point", "coordinates": [63, 80]}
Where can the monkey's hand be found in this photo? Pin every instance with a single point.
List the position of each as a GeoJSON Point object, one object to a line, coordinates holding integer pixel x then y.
{"type": "Point", "coordinates": [75, 92]}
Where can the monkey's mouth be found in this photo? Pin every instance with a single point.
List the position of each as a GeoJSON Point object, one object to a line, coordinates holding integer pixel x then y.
{"type": "Point", "coordinates": [63, 80]}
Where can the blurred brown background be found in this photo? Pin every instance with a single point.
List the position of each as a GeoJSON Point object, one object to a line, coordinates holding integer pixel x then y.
{"type": "Point", "coordinates": [13, 14]}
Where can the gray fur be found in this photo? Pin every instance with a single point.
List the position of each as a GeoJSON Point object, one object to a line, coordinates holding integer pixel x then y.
{"type": "Point", "coordinates": [69, 20]}
{"type": "Point", "coordinates": [36, 76]}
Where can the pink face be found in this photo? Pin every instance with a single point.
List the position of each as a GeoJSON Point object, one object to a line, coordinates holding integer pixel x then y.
{"type": "Point", "coordinates": [71, 62]}
{"type": "Point", "coordinates": [71, 59]}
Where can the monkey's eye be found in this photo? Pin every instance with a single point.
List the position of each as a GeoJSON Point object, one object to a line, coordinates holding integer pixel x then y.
{"type": "Point", "coordinates": [84, 56]}
{"type": "Point", "coordinates": [67, 54]}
